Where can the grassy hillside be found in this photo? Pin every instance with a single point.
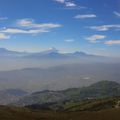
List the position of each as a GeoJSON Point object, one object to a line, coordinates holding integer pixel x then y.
{"type": "Point", "coordinates": [93, 105]}
{"type": "Point", "coordinates": [86, 105]}
{"type": "Point", "coordinates": [7, 113]}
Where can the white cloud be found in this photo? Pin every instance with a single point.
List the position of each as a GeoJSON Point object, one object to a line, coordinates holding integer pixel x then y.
{"type": "Point", "coordinates": [31, 24]}
{"type": "Point", "coordinates": [75, 8]}
{"type": "Point", "coordinates": [70, 4]}
{"type": "Point", "coordinates": [60, 1]}
{"type": "Point", "coordinates": [25, 22]}
{"type": "Point", "coordinates": [105, 27]}
{"type": "Point", "coordinates": [85, 16]}
{"type": "Point", "coordinates": [4, 36]}
{"type": "Point", "coordinates": [67, 3]}
{"type": "Point", "coordinates": [47, 25]}
{"type": "Point", "coordinates": [96, 38]}
{"type": "Point", "coordinates": [21, 31]}
{"type": "Point", "coordinates": [69, 40]}
{"type": "Point", "coordinates": [113, 42]}
{"type": "Point", "coordinates": [117, 13]}
{"type": "Point", "coordinates": [28, 26]}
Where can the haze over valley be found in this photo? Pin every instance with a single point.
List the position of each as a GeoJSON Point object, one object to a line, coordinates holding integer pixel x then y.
{"type": "Point", "coordinates": [53, 70]}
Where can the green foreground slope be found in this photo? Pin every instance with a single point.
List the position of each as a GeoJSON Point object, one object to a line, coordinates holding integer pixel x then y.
{"type": "Point", "coordinates": [7, 113]}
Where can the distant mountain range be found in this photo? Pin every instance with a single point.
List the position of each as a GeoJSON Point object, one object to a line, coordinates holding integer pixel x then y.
{"type": "Point", "coordinates": [8, 53]}
{"type": "Point", "coordinates": [51, 53]}
{"type": "Point", "coordinates": [48, 58]}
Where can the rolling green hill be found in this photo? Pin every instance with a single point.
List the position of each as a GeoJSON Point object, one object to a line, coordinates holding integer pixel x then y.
{"type": "Point", "coordinates": [103, 89]}
{"type": "Point", "coordinates": [93, 105]}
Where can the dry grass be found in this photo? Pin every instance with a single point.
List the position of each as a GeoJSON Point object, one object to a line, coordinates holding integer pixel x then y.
{"type": "Point", "coordinates": [7, 113]}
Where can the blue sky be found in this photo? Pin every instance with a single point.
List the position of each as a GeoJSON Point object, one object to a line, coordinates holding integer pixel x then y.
{"type": "Point", "coordinates": [92, 26]}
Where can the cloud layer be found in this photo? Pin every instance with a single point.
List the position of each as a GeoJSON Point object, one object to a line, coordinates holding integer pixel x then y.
{"type": "Point", "coordinates": [85, 16]}
{"type": "Point", "coordinates": [67, 3]}
{"type": "Point", "coordinates": [29, 23]}
{"type": "Point", "coordinates": [113, 42]}
{"type": "Point", "coordinates": [27, 26]}
{"type": "Point", "coordinates": [96, 38]}
{"type": "Point", "coordinates": [105, 27]}
{"type": "Point", "coordinates": [4, 36]}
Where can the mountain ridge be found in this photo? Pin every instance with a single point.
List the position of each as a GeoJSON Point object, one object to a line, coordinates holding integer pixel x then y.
{"type": "Point", "coordinates": [102, 89]}
{"type": "Point", "coordinates": [49, 52]}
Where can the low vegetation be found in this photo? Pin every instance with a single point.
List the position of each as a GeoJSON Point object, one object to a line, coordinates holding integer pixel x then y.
{"type": "Point", "coordinates": [12, 113]}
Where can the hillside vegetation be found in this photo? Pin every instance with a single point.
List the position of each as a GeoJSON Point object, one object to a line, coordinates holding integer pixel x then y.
{"type": "Point", "coordinates": [99, 90]}
{"type": "Point", "coordinates": [7, 113]}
